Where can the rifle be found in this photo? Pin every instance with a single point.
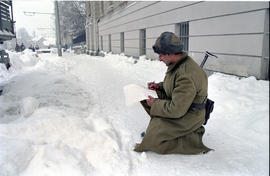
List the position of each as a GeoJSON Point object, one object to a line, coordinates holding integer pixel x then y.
{"type": "Point", "coordinates": [209, 105]}
{"type": "Point", "coordinates": [207, 54]}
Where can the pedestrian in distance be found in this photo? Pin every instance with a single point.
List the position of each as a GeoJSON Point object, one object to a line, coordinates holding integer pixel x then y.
{"type": "Point", "coordinates": [22, 47]}
{"type": "Point", "coordinates": [17, 48]}
{"type": "Point", "coordinates": [175, 126]}
{"type": "Point", "coordinates": [32, 48]}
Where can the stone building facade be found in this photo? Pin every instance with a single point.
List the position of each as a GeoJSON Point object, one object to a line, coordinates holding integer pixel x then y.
{"type": "Point", "coordinates": [237, 32]}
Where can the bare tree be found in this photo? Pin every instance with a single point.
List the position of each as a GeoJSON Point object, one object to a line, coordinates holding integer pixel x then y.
{"type": "Point", "coordinates": [72, 17]}
{"type": "Point", "coordinates": [23, 36]}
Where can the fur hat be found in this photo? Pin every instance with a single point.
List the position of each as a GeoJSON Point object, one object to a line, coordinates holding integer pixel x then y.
{"type": "Point", "coordinates": [168, 43]}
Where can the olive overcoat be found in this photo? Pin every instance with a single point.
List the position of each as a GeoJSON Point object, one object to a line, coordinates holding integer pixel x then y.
{"type": "Point", "coordinates": [174, 126]}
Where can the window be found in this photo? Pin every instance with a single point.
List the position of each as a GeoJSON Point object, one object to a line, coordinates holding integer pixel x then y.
{"type": "Point", "coordinates": [122, 44]}
{"type": "Point", "coordinates": [182, 29]}
{"type": "Point", "coordinates": [142, 42]}
{"type": "Point", "coordinates": [101, 43]}
{"type": "Point", "coordinates": [110, 43]}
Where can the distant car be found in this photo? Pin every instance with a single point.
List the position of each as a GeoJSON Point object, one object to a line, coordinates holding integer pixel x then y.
{"type": "Point", "coordinates": [78, 49]}
{"type": "Point", "coordinates": [44, 51]}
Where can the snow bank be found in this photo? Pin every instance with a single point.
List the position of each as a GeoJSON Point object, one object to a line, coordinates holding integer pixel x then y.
{"type": "Point", "coordinates": [15, 155]}
{"type": "Point", "coordinates": [3, 73]}
{"type": "Point", "coordinates": [19, 62]}
{"type": "Point", "coordinates": [25, 59]}
{"type": "Point", "coordinates": [28, 105]}
{"type": "Point", "coordinates": [77, 122]}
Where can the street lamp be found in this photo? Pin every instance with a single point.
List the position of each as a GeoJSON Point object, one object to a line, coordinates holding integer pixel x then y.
{"type": "Point", "coordinates": [58, 31]}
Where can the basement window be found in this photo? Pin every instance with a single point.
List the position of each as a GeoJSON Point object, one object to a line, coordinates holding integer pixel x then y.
{"type": "Point", "coordinates": [182, 29]}
{"type": "Point", "coordinates": [122, 42]}
{"type": "Point", "coordinates": [142, 42]}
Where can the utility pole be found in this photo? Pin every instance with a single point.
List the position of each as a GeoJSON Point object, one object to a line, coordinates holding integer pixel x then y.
{"type": "Point", "coordinates": [95, 24]}
{"type": "Point", "coordinates": [58, 32]}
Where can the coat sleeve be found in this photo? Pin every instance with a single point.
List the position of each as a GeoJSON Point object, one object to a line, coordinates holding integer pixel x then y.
{"type": "Point", "coordinates": [183, 95]}
{"type": "Point", "coordinates": [161, 86]}
{"type": "Point", "coordinates": [160, 92]}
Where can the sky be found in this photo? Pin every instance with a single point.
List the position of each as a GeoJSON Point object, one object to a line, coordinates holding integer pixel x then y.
{"type": "Point", "coordinates": [42, 24]}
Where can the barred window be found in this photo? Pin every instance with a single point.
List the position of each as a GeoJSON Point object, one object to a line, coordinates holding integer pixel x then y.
{"type": "Point", "coordinates": [184, 34]}
{"type": "Point", "coordinates": [122, 42]}
{"type": "Point", "coordinates": [101, 42]}
{"type": "Point", "coordinates": [142, 42]}
{"type": "Point", "coordinates": [110, 43]}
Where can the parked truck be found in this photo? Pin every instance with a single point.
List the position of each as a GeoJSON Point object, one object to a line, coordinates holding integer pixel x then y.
{"type": "Point", "coordinates": [6, 29]}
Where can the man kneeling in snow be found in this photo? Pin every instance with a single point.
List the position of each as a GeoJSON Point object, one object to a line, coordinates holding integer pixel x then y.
{"type": "Point", "coordinates": [175, 127]}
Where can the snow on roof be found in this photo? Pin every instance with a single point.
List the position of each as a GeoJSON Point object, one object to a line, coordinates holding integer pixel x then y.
{"type": "Point", "coordinates": [6, 33]}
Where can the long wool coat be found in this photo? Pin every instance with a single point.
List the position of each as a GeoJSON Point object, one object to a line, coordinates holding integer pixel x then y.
{"type": "Point", "coordinates": [174, 127]}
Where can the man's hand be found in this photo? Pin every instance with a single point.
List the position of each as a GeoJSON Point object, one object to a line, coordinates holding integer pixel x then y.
{"type": "Point", "coordinates": [152, 86]}
{"type": "Point", "coordinates": [150, 101]}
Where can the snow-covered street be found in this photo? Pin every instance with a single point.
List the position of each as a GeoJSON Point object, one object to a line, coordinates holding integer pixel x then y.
{"type": "Point", "coordinates": [67, 116]}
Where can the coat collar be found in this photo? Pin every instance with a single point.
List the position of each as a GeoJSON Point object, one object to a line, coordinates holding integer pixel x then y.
{"type": "Point", "coordinates": [182, 59]}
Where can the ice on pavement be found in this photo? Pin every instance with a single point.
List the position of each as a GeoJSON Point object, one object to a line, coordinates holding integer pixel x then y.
{"type": "Point", "coordinates": [67, 116]}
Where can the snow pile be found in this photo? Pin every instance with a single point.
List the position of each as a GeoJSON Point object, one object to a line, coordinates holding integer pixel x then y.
{"type": "Point", "coordinates": [3, 72]}
{"type": "Point", "coordinates": [142, 69]}
{"type": "Point", "coordinates": [28, 105]}
{"type": "Point", "coordinates": [15, 155]}
{"type": "Point", "coordinates": [19, 62]}
{"type": "Point", "coordinates": [67, 116]}
{"type": "Point", "coordinates": [242, 94]}
{"type": "Point", "coordinates": [29, 58]}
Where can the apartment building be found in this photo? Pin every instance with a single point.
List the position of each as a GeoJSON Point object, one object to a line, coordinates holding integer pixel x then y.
{"type": "Point", "coordinates": [237, 32]}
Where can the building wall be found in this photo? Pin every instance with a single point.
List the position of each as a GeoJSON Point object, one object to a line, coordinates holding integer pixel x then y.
{"type": "Point", "coordinates": [115, 38]}
{"type": "Point", "coordinates": [132, 40]}
{"type": "Point", "coordinates": [237, 32]}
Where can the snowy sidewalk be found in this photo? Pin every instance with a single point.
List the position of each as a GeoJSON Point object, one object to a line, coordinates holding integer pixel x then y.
{"type": "Point", "coordinates": [66, 116]}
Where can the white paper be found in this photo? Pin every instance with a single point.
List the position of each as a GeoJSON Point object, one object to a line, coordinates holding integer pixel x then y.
{"type": "Point", "coordinates": [135, 93]}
